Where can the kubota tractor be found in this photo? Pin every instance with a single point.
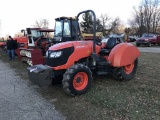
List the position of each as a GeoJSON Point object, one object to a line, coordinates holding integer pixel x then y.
{"type": "Point", "coordinates": [76, 61]}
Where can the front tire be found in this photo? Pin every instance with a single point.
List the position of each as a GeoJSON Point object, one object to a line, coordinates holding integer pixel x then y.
{"type": "Point", "coordinates": [77, 79]}
{"type": "Point", "coordinates": [126, 72]}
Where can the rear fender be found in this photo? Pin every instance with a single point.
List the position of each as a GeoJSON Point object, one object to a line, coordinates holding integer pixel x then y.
{"type": "Point", "coordinates": [123, 54]}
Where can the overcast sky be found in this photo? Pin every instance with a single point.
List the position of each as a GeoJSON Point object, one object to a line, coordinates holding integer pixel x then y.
{"type": "Point", "coordinates": [19, 14]}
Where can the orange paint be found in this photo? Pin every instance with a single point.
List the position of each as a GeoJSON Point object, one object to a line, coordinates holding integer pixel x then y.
{"type": "Point", "coordinates": [22, 40]}
{"type": "Point", "coordinates": [80, 81]}
{"type": "Point", "coordinates": [123, 54]}
{"type": "Point", "coordinates": [82, 49]}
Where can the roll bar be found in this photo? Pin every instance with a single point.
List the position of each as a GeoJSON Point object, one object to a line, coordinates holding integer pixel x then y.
{"type": "Point", "coordinates": [94, 28]}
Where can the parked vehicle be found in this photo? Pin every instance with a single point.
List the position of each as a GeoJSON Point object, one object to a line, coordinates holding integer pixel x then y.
{"type": "Point", "coordinates": [33, 45]}
{"type": "Point", "coordinates": [131, 39]}
{"type": "Point", "coordinates": [148, 39]}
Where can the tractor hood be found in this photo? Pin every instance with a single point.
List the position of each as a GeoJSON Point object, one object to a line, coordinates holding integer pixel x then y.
{"type": "Point", "coordinates": [63, 55]}
{"type": "Point", "coordinates": [61, 45]}
{"type": "Point", "coordinates": [77, 44]}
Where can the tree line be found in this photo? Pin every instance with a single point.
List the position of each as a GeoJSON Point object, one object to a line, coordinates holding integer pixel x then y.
{"type": "Point", "coordinates": [104, 24]}
{"type": "Point", "coordinates": [145, 19]}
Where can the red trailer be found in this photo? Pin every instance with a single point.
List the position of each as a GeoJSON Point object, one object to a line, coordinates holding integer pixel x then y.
{"type": "Point", "coordinates": [34, 49]}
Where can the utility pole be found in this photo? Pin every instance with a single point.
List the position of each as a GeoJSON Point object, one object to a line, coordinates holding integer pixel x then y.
{"type": "Point", "coordinates": [142, 25]}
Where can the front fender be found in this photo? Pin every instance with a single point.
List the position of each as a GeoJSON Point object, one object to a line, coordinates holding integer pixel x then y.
{"type": "Point", "coordinates": [123, 54]}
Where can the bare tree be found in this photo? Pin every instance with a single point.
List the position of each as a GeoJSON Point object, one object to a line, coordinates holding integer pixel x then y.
{"type": "Point", "coordinates": [42, 23]}
{"type": "Point", "coordinates": [108, 24]}
{"type": "Point", "coordinates": [104, 24]}
{"type": "Point", "coordinates": [104, 19]}
{"type": "Point", "coordinates": [146, 18]}
{"type": "Point", "coordinates": [113, 26]}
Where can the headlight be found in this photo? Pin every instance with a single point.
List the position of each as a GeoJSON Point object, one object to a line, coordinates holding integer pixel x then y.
{"type": "Point", "coordinates": [55, 54]}
{"type": "Point", "coordinates": [22, 52]}
{"type": "Point", "coordinates": [28, 54]}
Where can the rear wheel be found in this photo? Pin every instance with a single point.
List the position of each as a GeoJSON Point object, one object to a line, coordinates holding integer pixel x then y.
{"type": "Point", "coordinates": [77, 79]}
{"type": "Point", "coordinates": [126, 72]}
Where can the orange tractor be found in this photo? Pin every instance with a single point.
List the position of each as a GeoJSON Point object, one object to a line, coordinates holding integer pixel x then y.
{"type": "Point", "coordinates": [75, 61]}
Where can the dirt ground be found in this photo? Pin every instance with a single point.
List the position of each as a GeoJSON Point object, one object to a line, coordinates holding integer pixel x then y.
{"type": "Point", "coordinates": [108, 99]}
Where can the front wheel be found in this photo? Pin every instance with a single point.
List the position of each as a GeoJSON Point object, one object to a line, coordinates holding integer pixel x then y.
{"type": "Point", "coordinates": [77, 79]}
{"type": "Point", "coordinates": [126, 72]}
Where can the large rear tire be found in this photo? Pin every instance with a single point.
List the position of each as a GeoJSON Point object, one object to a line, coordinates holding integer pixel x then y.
{"type": "Point", "coordinates": [126, 72]}
{"type": "Point", "coordinates": [77, 79]}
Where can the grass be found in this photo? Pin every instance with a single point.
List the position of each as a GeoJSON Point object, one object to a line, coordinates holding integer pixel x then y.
{"type": "Point", "coordinates": [138, 99]}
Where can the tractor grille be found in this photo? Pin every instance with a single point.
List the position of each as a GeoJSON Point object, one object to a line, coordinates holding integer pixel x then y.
{"type": "Point", "coordinates": [53, 62]}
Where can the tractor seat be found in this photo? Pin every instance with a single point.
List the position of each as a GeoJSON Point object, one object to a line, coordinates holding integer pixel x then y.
{"type": "Point", "coordinates": [109, 45]}
{"type": "Point", "coordinates": [104, 52]}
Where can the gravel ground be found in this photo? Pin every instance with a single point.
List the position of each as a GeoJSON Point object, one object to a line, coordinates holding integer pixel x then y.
{"type": "Point", "coordinates": [19, 101]}
{"type": "Point", "coordinates": [150, 49]}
